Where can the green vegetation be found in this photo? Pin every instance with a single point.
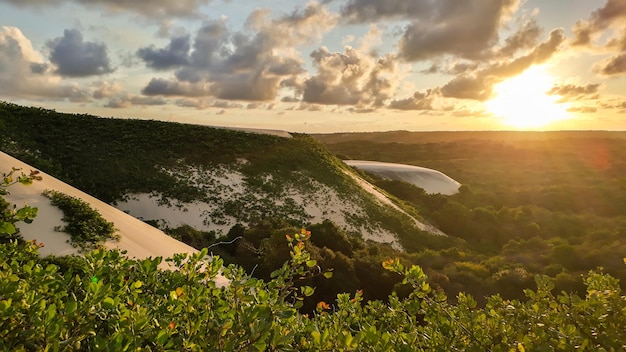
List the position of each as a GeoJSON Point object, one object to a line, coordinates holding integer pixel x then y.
{"type": "Point", "coordinates": [113, 158]}
{"type": "Point", "coordinates": [10, 214]}
{"type": "Point", "coordinates": [532, 203]}
{"type": "Point", "coordinates": [86, 227]}
{"type": "Point", "coordinates": [107, 302]}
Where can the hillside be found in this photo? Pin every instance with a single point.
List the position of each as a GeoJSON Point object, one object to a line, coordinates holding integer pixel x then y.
{"type": "Point", "coordinates": [138, 239]}
{"type": "Point", "coordinates": [211, 179]}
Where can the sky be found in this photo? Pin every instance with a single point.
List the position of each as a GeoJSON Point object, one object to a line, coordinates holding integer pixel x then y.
{"type": "Point", "coordinates": [323, 66]}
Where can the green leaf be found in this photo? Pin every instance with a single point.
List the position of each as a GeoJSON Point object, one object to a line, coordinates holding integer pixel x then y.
{"type": "Point", "coordinates": [5, 304]}
{"type": "Point", "coordinates": [317, 338]}
{"type": "Point", "coordinates": [307, 290]}
{"type": "Point", "coordinates": [311, 263]}
{"type": "Point", "coordinates": [108, 303]}
{"type": "Point", "coordinates": [161, 337]}
{"type": "Point", "coordinates": [328, 274]}
{"type": "Point", "coordinates": [51, 312]}
{"type": "Point", "coordinates": [70, 307]}
{"type": "Point", "coordinates": [7, 228]}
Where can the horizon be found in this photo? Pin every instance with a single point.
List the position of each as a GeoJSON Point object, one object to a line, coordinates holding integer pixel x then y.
{"type": "Point", "coordinates": [334, 66]}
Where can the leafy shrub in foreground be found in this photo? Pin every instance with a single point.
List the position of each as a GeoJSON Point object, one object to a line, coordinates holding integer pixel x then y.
{"type": "Point", "coordinates": [113, 303]}
{"type": "Point", "coordinates": [10, 214]}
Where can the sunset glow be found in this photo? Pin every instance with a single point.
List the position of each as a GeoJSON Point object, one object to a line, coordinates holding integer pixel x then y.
{"type": "Point", "coordinates": [522, 102]}
{"type": "Point", "coordinates": [321, 66]}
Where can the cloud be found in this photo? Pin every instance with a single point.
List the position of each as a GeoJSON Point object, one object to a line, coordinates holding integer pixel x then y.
{"type": "Point", "coordinates": [618, 43]}
{"type": "Point", "coordinates": [479, 85]}
{"type": "Point", "coordinates": [570, 92]}
{"type": "Point", "coordinates": [360, 11]}
{"type": "Point", "coordinates": [174, 55]}
{"type": "Point", "coordinates": [349, 78]}
{"type": "Point", "coordinates": [252, 64]}
{"type": "Point", "coordinates": [419, 101]}
{"type": "Point", "coordinates": [76, 58]}
{"type": "Point", "coordinates": [461, 28]}
{"type": "Point", "coordinates": [103, 89]}
{"type": "Point", "coordinates": [613, 13]}
{"type": "Point", "coordinates": [583, 109]}
{"type": "Point", "coordinates": [126, 101]}
{"type": "Point", "coordinates": [525, 37]}
{"type": "Point", "coordinates": [161, 86]}
{"type": "Point", "coordinates": [613, 66]}
{"type": "Point", "coordinates": [25, 74]}
{"type": "Point", "coordinates": [152, 8]}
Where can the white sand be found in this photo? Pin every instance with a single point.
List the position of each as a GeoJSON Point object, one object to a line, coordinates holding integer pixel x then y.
{"type": "Point", "coordinates": [139, 239]}
{"type": "Point", "coordinates": [432, 181]}
{"type": "Point", "coordinates": [382, 198]}
{"type": "Point", "coordinates": [318, 203]}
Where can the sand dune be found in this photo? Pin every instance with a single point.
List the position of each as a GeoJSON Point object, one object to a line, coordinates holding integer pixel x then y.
{"type": "Point", "coordinates": [139, 239]}
{"type": "Point", "coordinates": [432, 181]}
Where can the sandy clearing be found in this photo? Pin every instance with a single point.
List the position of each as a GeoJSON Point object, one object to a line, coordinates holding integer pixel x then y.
{"type": "Point", "coordinates": [139, 239]}
{"type": "Point", "coordinates": [432, 181]}
{"type": "Point", "coordinates": [386, 201]}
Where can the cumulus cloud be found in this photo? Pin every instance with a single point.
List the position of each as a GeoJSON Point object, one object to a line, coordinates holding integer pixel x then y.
{"type": "Point", "coordinates": [252, 64]}
{"type": "Point", "coordinates": [419, 101]}
{"type": "Point", "coordinates": [612, 13]}
{"type": "Point", "coordinates": [461, 28]}
{"type": "Point", "coordinates": [152, 8]}
{"type": "Point", "coordinates": [607, 22]}
{"type": "Point", "coordinates": [104, 89]}
{"type": "Point", "coordinates": [479, 85]}
{"type": "Point", "coordinates": [77, 58]}
{"type": "Point", "coordinates": [525, 37]}
{"type": "Point", "coordinates": [613, 66]}
{"type": "Point", "coordinates": [24, 73]}
{"type": "Point", "coordinates": [161, 86]}
{"type": "Point", "coordinates": [174, 55]}
{"type": "Point", "coordinates": [570, 92]}
{"type": "Point", "coordinates": [349, 78]}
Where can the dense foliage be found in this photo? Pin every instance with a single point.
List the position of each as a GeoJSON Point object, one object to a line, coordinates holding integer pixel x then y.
{"type": "Point", "coordinates": [109, 158]}
{"type": "Point", "coordinates": [86, 227]}
{"type": "Point", "coordinates": [107, 302]}
{"type": "Point", "coordinates": [532, 203]}
{"type": "Point", "coordinates": [549, 203]}
{"type": "Point", "coordinates": [113, 158]}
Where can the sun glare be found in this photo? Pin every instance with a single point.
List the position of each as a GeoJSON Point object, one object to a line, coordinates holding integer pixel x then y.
{"type": "Point", "coordinates": [522, 102]}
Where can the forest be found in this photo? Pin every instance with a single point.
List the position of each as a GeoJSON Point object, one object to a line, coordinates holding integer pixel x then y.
{"type": "Point", "coordinates": [551, 203]}
{"type": "Point", "coordinates": [534, 244]}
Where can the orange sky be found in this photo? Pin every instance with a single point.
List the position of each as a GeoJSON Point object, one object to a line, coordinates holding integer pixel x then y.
{"type": "Point", "coordinates": [332, 66]}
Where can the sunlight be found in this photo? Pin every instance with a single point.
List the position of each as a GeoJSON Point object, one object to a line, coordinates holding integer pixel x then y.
{"type": "Point", "coordinates": [521, 101]}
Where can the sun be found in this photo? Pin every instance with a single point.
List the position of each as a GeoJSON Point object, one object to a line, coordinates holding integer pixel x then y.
{"type": "Point", "coordinates": [521, 101]}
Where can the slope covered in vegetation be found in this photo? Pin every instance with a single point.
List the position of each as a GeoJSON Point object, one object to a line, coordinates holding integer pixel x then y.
{"type": "Point", "coordinates": [233, 176]}
{"type": "Point", "coordinates": [182, 168]}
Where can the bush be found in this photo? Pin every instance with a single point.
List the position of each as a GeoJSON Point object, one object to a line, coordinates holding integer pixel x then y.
{"type": "Point", "coordinates": [109, 302]}
{"type": "Point", "coordinates": [86, 227]}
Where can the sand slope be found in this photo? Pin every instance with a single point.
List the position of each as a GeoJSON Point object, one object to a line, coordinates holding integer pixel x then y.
{"type": "Point", "coordinates": [432, 181]}
{"type": "Point", "coordinates": [139, 239]}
